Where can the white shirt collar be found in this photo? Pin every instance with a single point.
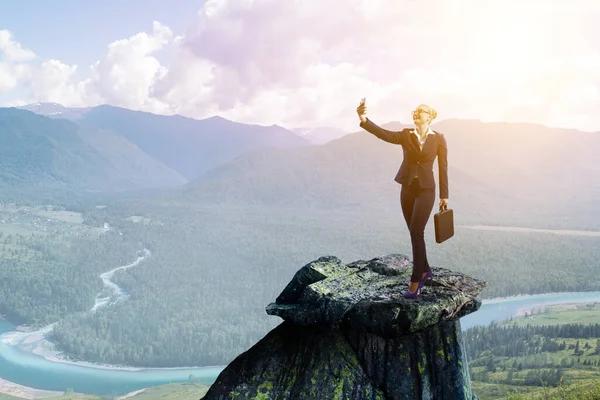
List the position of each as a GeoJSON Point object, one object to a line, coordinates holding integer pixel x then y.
{"type": "Point", "coordinates": [429, 131]}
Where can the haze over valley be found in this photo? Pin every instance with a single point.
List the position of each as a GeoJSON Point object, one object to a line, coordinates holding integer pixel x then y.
{"type": "Point", "coordinates": [238, 231]}
{"type": "Point", "coordinates": [167, 172]}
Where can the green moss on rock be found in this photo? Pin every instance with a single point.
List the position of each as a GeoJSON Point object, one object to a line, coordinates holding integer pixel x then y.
{"type": "Point", "coordinates": [348, 333]}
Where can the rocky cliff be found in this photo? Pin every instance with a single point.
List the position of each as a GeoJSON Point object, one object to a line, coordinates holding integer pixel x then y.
{"type": "Point", "coordinates": [348, 333]}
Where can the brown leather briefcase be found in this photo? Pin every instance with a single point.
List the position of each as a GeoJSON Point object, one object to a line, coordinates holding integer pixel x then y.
{"type": "Point", "coordinates": [444, 224]}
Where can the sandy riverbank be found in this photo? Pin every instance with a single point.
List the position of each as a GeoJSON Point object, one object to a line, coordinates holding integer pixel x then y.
{"type": "Point", "coordinates": [44, 348]}
{"type": "Point", "coordinates": [36, 342]}
{"type": "Point", "coordinates": [131, 394]}
{"type": "Point", "coordinates": [25, 392]}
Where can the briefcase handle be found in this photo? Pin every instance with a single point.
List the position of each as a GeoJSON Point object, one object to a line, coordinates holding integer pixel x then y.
{"type": "Point", "coordinates": [443, 208]}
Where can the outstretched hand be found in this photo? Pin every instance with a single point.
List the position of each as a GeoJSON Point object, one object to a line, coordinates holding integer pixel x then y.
{"type": "Point", "coordinates": [361, 110]}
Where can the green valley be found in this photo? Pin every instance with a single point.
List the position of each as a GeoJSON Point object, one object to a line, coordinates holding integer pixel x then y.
{"type": "Point", "coordinates": [557, 349]}
{"type": "Point", "coordinates": [200, 298]}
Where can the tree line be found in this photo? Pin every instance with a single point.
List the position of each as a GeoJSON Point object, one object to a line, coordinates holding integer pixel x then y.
{"type": "Point", "coordinates": [524, 354]}
{"type": "Point", "coordinates": [200, 298]}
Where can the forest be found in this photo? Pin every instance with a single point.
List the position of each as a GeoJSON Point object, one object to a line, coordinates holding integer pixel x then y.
{"type": "Point", "coordinates": [200, 298]}
{"type": "Point", "coordinates": [46, 277]}
{"type": "Point", "coordinates": [532, 355]}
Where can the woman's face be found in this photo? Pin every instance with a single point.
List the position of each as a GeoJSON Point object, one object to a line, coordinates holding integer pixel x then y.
{"type": "Point", "coordinates": [421, 116]}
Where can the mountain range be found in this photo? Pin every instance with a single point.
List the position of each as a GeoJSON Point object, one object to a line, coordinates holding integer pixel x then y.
{"type": "Point", "coordinates": [498, 172]}
{"type": "Point", "coordinates": [320, 134]}
{"type": "Point", "coordinates": [108, 148]}
{"type": "Point", "coordinates": [39, 152]}
{"type": "Point", "coordinates": [315, 135]}
{"type": "Point", "coordinates": [189, 146]}
{"type": "Point", "coordinates": [55, 110]}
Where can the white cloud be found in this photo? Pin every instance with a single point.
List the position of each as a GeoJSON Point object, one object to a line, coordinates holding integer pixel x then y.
{"type": "Point", "coordinates": [308, 62]}
{"type": "Point", "coordinates": [126, 75]}
{"type": "Point", "coordinates": [12, 58]}
{"type": "Point", "coordinates": [52, 82]}
{"type": "Point", "coordinates": [9, 76]}
{"type": "Point", "coordinates": [11, 50]}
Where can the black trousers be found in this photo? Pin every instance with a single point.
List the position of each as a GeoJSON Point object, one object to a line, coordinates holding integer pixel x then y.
{"type": "Point", "coordinates": [417, 205]}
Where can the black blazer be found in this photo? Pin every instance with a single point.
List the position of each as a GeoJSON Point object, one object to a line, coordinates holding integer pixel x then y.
{"type": "Point", "coordinates": [416, 161]}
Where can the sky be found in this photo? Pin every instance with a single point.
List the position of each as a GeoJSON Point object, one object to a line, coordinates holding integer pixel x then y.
{"type": "Point", "coordinates": [306, 63]}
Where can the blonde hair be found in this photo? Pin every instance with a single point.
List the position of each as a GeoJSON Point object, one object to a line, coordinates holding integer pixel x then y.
{"type": "Point", "coordinates": [430, 110]}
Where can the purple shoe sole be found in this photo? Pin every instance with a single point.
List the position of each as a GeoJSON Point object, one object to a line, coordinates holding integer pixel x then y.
{"type": "Point", "coordinates": [409, 295]}
{"type": "Point", "coordinates": [413, 295]}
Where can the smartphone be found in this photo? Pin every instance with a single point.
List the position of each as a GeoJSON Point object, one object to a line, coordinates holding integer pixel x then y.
{"type": "Point", "coordinates": [363, 100]}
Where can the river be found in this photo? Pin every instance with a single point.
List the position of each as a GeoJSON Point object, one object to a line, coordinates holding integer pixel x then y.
{"type": "Point", "coordinates": [35, 371]}
{"type": "Point", "coordinates": [28, 359]}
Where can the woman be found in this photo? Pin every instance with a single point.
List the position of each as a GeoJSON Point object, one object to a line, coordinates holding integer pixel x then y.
{"type": "Point", "coordinates": [420, 145]}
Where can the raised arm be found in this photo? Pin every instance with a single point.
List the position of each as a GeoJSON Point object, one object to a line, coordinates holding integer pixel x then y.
{"type": "Point", "coordinates": [442, 154]}
{"type": "Point", "coordinates": [369, 126]}
{"type": "Point", "coordinates": [383, 134]}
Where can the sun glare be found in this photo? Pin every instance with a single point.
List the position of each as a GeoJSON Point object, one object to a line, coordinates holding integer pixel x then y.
{"type": "Point", "coordinates": [510, 51]}
{"type": "Point", "coordinates": [509, 36]}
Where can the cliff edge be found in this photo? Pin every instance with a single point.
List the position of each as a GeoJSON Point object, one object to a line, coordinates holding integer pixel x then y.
{"type": "Point", "coordinates": [348, 333]}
